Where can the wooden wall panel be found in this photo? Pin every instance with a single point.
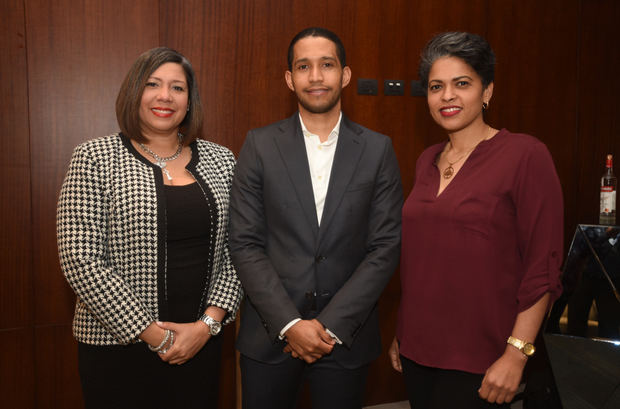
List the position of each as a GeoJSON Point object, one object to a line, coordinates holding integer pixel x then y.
{"type": "Point", "coordinates": [387, 44]}
{"type": "Point", "coordinates": [15, 235]}
{"type": "Point", "coordinates": [16, 252]}
{"type": "Point", "coordinates": [78, 54]}
{"type": "Point", "coordinates": [65, 60]}
{"type": "Point", "coordinates": [536, 79]}
{"type": "Point", "coordinates": [240, 89]}
{"type": "Point", "coordinates": [17, 386]}
{"type": "Point", "coordinates": [57, 380]}
{"type": "Point", "coordinates": [598, 127]}
{"type": "Point", "coordinates": [241, 61]}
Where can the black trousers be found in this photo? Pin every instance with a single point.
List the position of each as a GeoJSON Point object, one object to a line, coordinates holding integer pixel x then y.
{"type": "Point", "coordinates": [434, 388]}
{"type": "Point", "coordinates": [277, 386]}
{"type": "Point", "coordinates": [133, 377]}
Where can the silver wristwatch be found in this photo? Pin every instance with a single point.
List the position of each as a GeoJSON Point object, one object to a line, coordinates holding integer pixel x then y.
{"type": "Point", "coordinates": [214, 325]}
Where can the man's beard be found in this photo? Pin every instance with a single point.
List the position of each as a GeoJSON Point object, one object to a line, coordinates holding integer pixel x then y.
{"type": "Point", "coordinates": [320, 109]}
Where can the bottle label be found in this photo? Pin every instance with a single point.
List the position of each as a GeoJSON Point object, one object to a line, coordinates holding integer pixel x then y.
{"type": "Point", "coordinates": [608, 199]}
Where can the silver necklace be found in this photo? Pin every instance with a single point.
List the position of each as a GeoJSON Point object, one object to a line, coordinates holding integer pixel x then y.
{"type": "Point", "coordinates": [161, 162]}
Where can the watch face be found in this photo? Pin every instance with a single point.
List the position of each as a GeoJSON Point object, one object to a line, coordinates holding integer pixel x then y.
{"type": "Point", "coordinates": [529, 349]}
{"type": "Point", "coordinates": [215, 328]}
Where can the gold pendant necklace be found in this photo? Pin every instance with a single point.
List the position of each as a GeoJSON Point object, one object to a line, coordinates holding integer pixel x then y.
{"type": "Point", "coordinates": [449, 171]}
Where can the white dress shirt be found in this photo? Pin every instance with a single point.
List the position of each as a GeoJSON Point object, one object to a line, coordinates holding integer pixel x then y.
{"type": "Point", "coordinates": [320, 158]}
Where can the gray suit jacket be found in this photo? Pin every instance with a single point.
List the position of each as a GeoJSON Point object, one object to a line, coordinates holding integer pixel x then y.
{"type": "Point", "coordinates": [281, 253]}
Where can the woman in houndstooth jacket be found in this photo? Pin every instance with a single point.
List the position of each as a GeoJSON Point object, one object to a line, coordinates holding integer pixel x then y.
{"type": "Point", "coordinates": [143, 241]}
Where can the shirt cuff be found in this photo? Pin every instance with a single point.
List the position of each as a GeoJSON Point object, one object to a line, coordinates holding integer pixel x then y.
{"type": "Point", "coordinates": [331, 334]}
{"type": "Point", "coordinates": [287, 326]}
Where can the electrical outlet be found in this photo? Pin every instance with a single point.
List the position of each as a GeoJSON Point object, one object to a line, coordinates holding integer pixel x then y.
{"type": "Point", "coordinates": [367, 86]}
{"type": "Point", "coordinates": [393, 87]}
{"type": "Point", "coordinates": [416, 89]}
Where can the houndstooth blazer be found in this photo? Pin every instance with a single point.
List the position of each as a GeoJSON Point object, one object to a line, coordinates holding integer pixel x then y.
{"type": "Point", "coordinates": [111, 237]}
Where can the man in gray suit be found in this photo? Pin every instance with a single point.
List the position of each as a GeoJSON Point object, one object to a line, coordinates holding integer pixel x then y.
{"type": "Point", "coordinates": [315, 235]}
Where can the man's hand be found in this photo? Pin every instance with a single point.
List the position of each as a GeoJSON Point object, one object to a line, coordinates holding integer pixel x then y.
{"type": "Point", "coordinates": [308, 340]}
{"type": "Point", "coordinates": [394, 353]}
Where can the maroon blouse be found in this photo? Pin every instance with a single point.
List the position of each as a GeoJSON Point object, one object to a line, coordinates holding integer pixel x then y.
{"type": "Point", "coordinates": [475, 256]}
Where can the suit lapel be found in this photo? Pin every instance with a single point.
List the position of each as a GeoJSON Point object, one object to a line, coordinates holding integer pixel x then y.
{"type": "Point", "coordinates": [292, 149]}
{"type": "Point", "coordinates": [348, 152]}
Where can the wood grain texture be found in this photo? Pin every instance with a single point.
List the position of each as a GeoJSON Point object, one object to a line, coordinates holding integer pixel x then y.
{"type": "Point", "coordinates": [242, 61]}
{"type": "Point", "coordinates": [234, 56]}
{"type": "Point", "coordinates": [78, 54]}
{"type": "Point", "coordinates": [17, 389]}
{"type": "Point", "coordinates": [65, 60]}
{"type": "Point", "coordinates": [228, 371]}
{"type": "Point", "coordinates": [598, 125]}
{"type": "Point", "coordinates": [16, 249]}
{"type": "Point", "coordinates": [56, 370]}
{"type": "Point", "coordinates": [536, 80]}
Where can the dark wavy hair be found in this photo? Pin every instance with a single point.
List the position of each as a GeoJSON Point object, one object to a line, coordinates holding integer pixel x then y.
{"type": "Point", "coordinates": [471, 48]}
{"type": "Point", "coordinates": [130, 94]}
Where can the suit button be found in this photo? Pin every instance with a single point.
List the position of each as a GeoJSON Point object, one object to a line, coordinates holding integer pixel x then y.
{"type": "Point", "coordinates": [318, 259]}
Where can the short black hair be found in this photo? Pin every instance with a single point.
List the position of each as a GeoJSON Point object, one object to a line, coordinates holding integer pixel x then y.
{"type": "Point", "coordinates": [317, 32]}
{"type": "Point", "coordinates": [471, 48]}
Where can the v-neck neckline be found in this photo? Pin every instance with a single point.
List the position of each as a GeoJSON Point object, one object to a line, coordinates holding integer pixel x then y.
{"type": "Point", "coordinates": [437, 177]}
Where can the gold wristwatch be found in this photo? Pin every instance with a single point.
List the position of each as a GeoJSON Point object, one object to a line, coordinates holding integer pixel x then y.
{"type": "Point", "coordinates": [525, 347]}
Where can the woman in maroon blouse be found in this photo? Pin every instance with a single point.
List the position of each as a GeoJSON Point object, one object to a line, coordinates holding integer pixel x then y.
{"type": "Point", "coordinates": [481, 242]}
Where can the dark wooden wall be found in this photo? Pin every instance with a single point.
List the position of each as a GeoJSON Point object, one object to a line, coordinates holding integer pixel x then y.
{"type": "Point", "coordinates": [62, 63]}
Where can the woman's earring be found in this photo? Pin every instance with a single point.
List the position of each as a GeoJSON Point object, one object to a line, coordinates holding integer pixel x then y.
{"type": "Point", "coordinates": [485, 106]}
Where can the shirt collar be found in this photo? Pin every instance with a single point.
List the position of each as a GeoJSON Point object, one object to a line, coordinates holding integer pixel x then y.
{"type": "Point", "coordinates": [333, 135]}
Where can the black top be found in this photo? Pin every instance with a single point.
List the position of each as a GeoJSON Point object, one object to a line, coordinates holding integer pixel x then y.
{"type": "Point", "coordinates": [189, 222]}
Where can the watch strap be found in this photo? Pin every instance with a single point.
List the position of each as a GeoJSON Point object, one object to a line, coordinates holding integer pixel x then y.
{"type": "Point", "coordinates": [515, 342]}
{"type": "Point", "coordinates": [214, 325]}
{"type": "Point", "coordinates": [526, 348]}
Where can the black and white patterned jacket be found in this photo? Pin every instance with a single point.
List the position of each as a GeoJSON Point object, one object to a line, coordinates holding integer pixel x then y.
{"type": "Point", "coordinates": [111, 236]}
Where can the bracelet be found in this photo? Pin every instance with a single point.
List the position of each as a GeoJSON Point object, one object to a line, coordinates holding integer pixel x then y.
{"type": "Point", "coordinates": [163, 351]}
{"type": "Point", "coordinates": [160, 346]}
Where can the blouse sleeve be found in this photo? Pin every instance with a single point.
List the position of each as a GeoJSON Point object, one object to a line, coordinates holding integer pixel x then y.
{"type": "Point", "coordinates": [82, 234]}
{"type": "Point", "coordinates": [540, 213]}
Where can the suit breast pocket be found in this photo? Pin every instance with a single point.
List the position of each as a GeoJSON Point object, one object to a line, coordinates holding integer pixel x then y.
{"type": "Point", "coordinates": [360, 186]}
{"type": "Point", "coordinates": [357, 198]}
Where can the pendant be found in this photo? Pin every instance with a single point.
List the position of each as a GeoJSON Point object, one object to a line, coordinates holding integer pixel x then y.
{"type": "Point", "coordinates": [448, 172]}
{"type": "Point", "coordinates": [162, 165]}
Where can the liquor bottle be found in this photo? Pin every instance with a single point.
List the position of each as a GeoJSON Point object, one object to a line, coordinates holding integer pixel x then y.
{"type": "Point", "coordinates": [609, 185]}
